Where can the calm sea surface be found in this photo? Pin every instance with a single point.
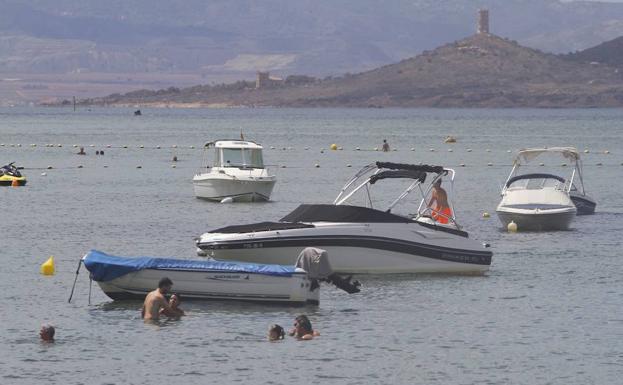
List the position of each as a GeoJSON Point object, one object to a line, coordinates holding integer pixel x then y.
{"type": "Point", "coordinates": [548, 312]}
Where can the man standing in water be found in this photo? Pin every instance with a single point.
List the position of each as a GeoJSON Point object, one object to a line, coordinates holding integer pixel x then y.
{"type": "Point", "coordinates": [156, 300]}
{"type": "Point", "coordinates": [385, 146]}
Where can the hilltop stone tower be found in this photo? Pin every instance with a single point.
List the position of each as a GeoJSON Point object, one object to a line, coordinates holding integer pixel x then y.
{"type": "Point", "coordinates": [262, 79]}
{"type": "Point", "coordinates": [483, 21]}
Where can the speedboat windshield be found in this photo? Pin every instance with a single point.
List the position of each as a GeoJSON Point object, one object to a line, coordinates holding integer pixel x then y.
{"type": "Point", "coordinates": [535, 182]}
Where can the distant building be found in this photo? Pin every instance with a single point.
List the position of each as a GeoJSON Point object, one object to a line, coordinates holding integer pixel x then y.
{"type": "Point", "coordinates": [264, 80]}
{"type": "Point", "coordinates": [483, 21]}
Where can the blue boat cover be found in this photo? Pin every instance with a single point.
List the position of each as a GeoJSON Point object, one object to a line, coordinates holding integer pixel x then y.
{"type": "Point", "coordinates": [104, 267]}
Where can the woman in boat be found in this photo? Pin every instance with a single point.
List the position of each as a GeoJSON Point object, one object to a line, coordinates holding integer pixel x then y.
{"type": "Point", "coordinates": [276, 333]}
{"type": "Point", "coordinates": [441, 211]}
{"type": "Point", "coordinates": [303, 328]}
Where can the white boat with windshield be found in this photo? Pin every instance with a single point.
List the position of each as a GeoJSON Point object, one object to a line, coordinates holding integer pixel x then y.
{"type": "Point", "coordinates": [538, 200]}
{"type": "Point", "coordinates": [237, 173]}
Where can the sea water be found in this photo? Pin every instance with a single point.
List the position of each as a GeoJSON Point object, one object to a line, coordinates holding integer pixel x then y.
{"type": "Point", "coordinates": [548, 312]}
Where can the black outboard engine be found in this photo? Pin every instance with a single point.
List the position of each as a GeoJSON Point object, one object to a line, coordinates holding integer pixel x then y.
{"type": "Point", "coordinates": [316, 263]}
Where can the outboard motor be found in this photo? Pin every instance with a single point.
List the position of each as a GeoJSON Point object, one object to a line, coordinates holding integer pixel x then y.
{"type": "Point", "coordinates": [316, 263]}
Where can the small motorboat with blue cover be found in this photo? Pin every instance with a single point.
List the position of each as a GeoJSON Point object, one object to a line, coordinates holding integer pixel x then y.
{"type": "Point", "coordinates": [133, 278]}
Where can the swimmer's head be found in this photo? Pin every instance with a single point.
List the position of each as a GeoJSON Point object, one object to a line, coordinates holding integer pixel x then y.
{"type": "Point", "coordinates": [47, 332]}
{"type": "Point", "coordinates": [302, 325]}
{"type": "Point", "coordinates": [175, 300]}
{"type": "Point", "coordinates": [165, 285]}
{"type": "Point", "coordinates": [276, 332]}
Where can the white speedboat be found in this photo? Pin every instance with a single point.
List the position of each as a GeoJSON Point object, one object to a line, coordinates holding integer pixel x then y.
{"type": "Point", "coordinates": [237, 173]}
{"type": "Point", "coordinates": [362, 239]}
{"type": "Point", "coordinates": [538, 201]}
{"type": "Point", "coordinates": [133, 278]}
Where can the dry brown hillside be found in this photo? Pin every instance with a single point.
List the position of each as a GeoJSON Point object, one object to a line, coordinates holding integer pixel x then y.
{"type": "Point", "coordinates": [480, 71]}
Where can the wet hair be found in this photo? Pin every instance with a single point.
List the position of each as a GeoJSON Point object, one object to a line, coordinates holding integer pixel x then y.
{"type": "Point", "coordinates": [49, 330]}
{"type": "Point", "coordinates": [164, 281]}
{"type": "Point", "coordinates": [304, 322]}
{"type": "Point", "coordinates": [278, 330]}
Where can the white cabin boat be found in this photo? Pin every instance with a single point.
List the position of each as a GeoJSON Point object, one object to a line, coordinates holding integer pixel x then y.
{"type": "Point", "coordinates": [237, 173]}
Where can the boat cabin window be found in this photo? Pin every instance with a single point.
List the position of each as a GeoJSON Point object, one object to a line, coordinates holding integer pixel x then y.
{"type": "Point", "coordinates": [239, 157]}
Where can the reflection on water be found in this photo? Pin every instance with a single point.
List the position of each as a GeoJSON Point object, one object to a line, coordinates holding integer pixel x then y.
{"type": "Point", "coordinates": [547, 312]}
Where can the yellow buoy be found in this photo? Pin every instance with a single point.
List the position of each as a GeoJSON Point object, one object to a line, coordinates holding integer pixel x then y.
{"type": "Point", "coordinates": [486, 215]}
{"type": "Point", "coordinates": [47, 268]}
{"type": "Point", "coordinates": [512, 227]}
{"type": "Point", "coordinates": [333, 147]}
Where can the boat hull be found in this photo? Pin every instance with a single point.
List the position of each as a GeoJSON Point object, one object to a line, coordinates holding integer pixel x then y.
{"type": "Point", "coordinates": [537, 220]}
{"type": "Point", "coordinates": [238, 190]}
{"type": "Point", "coordinates": [293, 290]}
{"type": "Point", "coordinates": [9, 181]}
{"type": "Point", "coordinates": [584, 204]}
{"type": "Point", "coordinates": [354, 250]}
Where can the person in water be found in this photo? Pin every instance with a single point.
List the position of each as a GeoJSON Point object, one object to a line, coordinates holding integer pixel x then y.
{"type": "Point", "coordinates": [47, 333]}
{"type": "Point", "coordinates": [385, 147]}
{"type": "Point", "coordinates": [174, 303]}
{"type": "Point", "coordinates": [276, 332]}
{"type": "Point", "coordinates": [303, 328]}
{"type": "Point", "coordinates": [441, 211]}
{"type": "Point", "coordinates": [155, 301]}
{"type": "Point", "coordinates": [82, 151]}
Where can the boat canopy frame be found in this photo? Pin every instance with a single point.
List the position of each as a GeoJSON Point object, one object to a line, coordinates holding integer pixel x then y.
{"type": "Point", "coordinates": [376, 171]}
{"type": "Point", "coordinates": [527, 155]}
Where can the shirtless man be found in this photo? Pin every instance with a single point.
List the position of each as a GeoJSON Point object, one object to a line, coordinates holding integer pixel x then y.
{"type": "Point", "coordinates": [441, 211]}
{"type": "Point", "coordinates": [156, 300]}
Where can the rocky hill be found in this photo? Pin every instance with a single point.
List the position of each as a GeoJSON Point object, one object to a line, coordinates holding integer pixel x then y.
{"type": "Point", "coordinates": [316, 37]}
{"type": "Point", "coordinates": [610, 53]}
{"type": "Point", "coordinates": [480, 71]}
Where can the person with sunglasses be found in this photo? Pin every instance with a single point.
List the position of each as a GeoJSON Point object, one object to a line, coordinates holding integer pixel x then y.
{"type": "Point", "coordinates": [303, 328]}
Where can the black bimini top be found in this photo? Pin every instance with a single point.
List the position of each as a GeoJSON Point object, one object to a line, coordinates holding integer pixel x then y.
{"type": "Point", "coordinates": [341, 213]}
{"type": "Point", "coordinates": [411, 167]}
{"type": "Point", "coordinates": [534, 176]}
{"type": "Point", "coordinates": [399, 174]}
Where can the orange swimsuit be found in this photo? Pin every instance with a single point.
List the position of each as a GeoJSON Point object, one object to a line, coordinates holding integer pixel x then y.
{"type": "Point", "coordinates": [442, 214]}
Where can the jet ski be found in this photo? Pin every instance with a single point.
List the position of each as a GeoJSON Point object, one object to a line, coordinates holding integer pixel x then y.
{"type": "Point", "coordinates": [10, 173]}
